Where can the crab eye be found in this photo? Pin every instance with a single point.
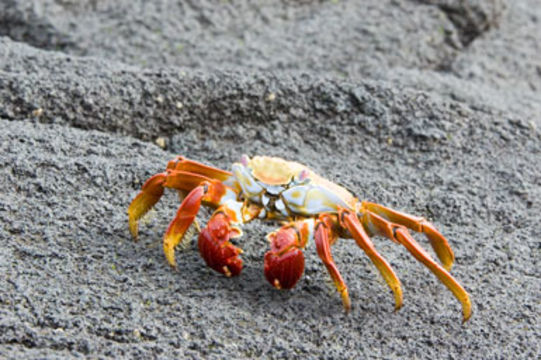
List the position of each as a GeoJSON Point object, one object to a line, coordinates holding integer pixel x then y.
{"type": "Point", "coordinates": [303, 175]}
{"type": "Point", "coordinates": [244, 159]}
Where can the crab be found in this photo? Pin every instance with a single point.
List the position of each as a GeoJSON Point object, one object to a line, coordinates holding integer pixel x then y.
{"type": "Point", "coordinates": [309, 208]}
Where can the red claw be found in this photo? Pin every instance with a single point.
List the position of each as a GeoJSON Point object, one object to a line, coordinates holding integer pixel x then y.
{"type": "Point", "coordinates": [215, 248]}
{"type": "Point", "coordinates": [284, 271]}
{"type": "Point", "coordinates": [284, 263]}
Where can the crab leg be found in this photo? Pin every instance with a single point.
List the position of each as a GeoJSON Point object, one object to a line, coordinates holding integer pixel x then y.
{"type": "Point", "coordinates": [323, 246]}
{"type": "Point", "coordinates": [351, 222]}
{"type": "Point", "coordinates": [152, 191]}
{"type": "Point", "coordinates": [150, 194]}
{"type": "Point", "coordinates": [185, 217]}
{"type": "Point", "coordinates": [400, 234]}
{"type": "Point", "coordinates": [182, 164]}
{"type": "Point", "coordinates": [210, 192]}
{"type": "Point", "coordinates": [437, 240]}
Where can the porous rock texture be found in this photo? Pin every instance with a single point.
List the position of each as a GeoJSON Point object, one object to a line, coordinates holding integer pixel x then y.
{"type": "Point", "coordinates": [431, 107]}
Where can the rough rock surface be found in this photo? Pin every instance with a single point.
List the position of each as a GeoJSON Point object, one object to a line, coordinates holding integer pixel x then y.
{"type": "Point", "coordinates": [431, 107]}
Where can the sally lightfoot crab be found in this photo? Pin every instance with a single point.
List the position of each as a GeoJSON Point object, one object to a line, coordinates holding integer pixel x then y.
{"type": "Point", "coordinates": [309, 208]}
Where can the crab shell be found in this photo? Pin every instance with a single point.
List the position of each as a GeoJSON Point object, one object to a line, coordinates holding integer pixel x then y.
{"type": "Point", "coordinates": [299, 189]}
{"type": "Point", "coordinates": [310, 206]}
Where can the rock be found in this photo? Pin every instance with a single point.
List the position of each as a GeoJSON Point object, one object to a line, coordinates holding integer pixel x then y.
{"type": "Point", "coordinates": [431, 107]}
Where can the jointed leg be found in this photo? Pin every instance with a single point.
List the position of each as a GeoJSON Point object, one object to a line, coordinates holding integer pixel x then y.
{"type": "Point", "coordinates": [150, 194]}
{"type": "Point", "coordinates": [418, 224]}
{"type": "Point", "coordinates": [183, 164]}
{"type": "Point", "coordinates": [209, 192]}
{"type": "Point", "coordinates": [152, 191]}
{"type": "Point", "coordinates": [351, 222]}
{"type": "Point", "coordinates": [322, 237]}
{"type": "Point", "coordinates": [203, 184]}
{"type": "Point", "coordinates": [400, 234]}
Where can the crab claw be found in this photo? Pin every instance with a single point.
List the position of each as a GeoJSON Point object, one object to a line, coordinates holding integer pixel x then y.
{"type": "Point", "coordinates": [215, 248]}
{"type": "Point", "coordinates": [284, 263]}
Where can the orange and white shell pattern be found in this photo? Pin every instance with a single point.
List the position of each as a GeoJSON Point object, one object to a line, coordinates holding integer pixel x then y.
{"type": "Point", "coordinates": [287, 189]}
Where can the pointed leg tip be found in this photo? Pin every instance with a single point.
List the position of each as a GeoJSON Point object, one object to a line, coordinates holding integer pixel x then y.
{"type": "Point", "coordinates": [466, 315]}
{"type": "Point", "coordinates": [398, 298]}
{"type": "Point", "coordinates": [172, 264]}
{"type": "Point", "coordinates": [170, 241]}
{"type": "Point", "coordinates": [134, 236]}
{"type": "Point", "coordinates": [398, 302]}
{"type": "Point", "coordinates": [347, 303]}
{"type": "Point", "coordinates": [466, 311]}
{"type": "Point", "coordinates": [134, 229]}
{"type": "Point", "coordinates": [447, 262]}
{"type": "Point", "coordinates": [170, 257]}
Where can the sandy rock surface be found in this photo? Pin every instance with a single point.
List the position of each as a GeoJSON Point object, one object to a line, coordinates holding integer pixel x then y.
{"type": "Point", "coordinates": [430, 107]}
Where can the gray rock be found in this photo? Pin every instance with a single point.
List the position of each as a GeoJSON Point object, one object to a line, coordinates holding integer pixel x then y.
{"type": "Point", "coordinates": [431, 107]}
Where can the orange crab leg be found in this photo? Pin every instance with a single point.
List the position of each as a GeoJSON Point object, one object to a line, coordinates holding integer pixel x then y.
{"type": "Point", "coordinates": [182, 164]}
{"type": "Point", "coordinates": [351, 222]}
{"type": "Point", "coordinates": [152, 191]}
{"type": "Point", "coordinates": [185, 180]}
{"type": "Point", "coordinates": [437, 240]}
{"type": "Point", "coordinates": [209, 192]}
{"type": "Point", "coordinates": [179, 225]}
{"type": "Point", "coordinates": [323, 246]}
{"type": "Point", "coordinates": [150, 194]}
{"type": "Point", "coordinates": [401, 235]}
